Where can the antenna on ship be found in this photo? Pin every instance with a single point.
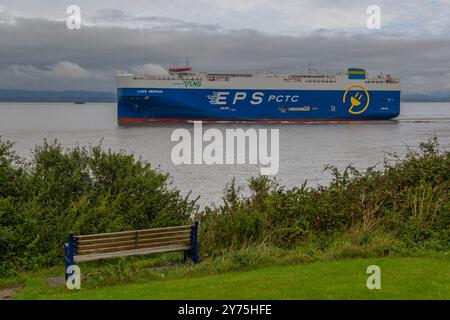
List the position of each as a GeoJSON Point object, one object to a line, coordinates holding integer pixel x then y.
{"type": "Point", "coordinates": [310, 68]}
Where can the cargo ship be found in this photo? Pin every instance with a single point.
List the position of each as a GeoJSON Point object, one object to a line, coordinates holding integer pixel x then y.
{"type": "Point", "coordinates": [185, 95]}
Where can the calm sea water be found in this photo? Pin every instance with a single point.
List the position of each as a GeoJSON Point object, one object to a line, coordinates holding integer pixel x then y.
{"type": "Point", "coordinates": [304, 148]}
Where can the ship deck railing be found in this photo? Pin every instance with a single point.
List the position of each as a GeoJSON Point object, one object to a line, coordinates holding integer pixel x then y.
{"type": "Point", "coordinates": [165, 78]}
{"type": "Point", "coordinates": [286, 78]}
{"type": "Point", "coordinates": [382, 80]}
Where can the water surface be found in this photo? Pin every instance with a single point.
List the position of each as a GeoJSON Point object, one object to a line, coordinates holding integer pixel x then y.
{"type": "Point", "coordinates": [304, 148]}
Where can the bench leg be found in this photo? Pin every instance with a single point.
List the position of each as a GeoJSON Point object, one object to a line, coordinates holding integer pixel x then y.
{"type": "Point", "coordinates": [70, 250]}
{"type": "Point", "coordinates": [68, 259]}
{"type": "Point", "coordinates": [194, 243]}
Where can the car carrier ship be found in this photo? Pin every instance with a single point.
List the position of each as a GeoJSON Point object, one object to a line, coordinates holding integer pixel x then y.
{"type": "Point", "coordinates": [185, 95]}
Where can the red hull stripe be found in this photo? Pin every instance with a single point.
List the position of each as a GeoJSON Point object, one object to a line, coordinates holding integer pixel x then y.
{"type": "Point", "coordinates": [144, 120]}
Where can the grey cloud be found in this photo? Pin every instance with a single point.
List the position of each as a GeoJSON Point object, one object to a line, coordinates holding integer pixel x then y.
{"type": "Point", "coordinates": [117, 17]}
{"type": "Point", "coordinates": [110, 14]}
{"type": "Point", "coordinates": [63, 75]}
{"type": "Point", "coordinates": [150, 68]}
{"type": "Point", "coordinates": [414, 17]}
{"type": "Point", "coordinates": [422, 64]}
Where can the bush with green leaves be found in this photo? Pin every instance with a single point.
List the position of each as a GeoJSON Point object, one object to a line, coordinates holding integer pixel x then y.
{"type": "Point", "coordinates": [407, 201]}
{"type": "Point", "coordinates": [87, 190]}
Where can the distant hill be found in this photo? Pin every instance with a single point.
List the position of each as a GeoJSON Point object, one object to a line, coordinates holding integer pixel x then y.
{"type": "Point", "coordinates": [53, 96]}
{"type": "Point", "coordinates": [100, 96]}
{"type": "Point", "coordinates": [419, 97]}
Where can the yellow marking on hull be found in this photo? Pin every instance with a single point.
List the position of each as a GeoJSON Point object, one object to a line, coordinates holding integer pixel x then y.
{"type": "Point", "coordinates": [355, 100]}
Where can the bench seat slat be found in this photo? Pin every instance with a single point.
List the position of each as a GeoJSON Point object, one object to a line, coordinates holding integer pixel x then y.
{"type": "Point", "coordinates": [132, 237]}
{"type": "Point", "coordinates": [136, 246]}
{"type": "Point", "coordinates": [84, 247]}
{"type": "Point", "coordinates": [132, 232]}
{"type": "Point", "coordinates": [127, 253]}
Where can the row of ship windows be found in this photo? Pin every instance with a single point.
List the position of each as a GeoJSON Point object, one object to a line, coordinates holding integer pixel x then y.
{"type": "Point", "coordinates": [147, 98]}
{"type": "Point", "coordinates": [286, 79]}
{"type": "Point", "coordinates": [284, 109]}
{"type": "Point", "coordinates": [334, 81]}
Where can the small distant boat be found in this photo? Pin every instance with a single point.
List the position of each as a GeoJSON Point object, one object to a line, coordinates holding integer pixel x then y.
{"type": "Point", "coordinates": [79, 102]}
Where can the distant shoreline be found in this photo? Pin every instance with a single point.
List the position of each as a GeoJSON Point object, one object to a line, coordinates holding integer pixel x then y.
{"type": "Point", "coordinates": [424, 100]}
{"type": "Point", "coordinates": [114, 101]}
{"type": "Point", "coordinates": [7, 95]}
{"type": "Point", "coordinates": [59, 101]}
{"type": "Point", "coordinates": [72, 96]}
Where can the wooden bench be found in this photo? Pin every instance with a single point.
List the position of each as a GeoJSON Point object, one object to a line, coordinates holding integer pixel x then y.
{"type": "Point", "coordinates": [132, 243]}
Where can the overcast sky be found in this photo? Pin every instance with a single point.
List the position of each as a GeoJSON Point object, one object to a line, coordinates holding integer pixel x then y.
{"type": "Point", "coordinates": [39, 52]}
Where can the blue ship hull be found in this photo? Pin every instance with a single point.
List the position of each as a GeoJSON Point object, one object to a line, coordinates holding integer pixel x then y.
{"type": "Point", "coordinates": [184, 104]}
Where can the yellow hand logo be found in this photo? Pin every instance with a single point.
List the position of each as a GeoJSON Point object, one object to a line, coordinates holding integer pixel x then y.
{"type": "Point", "coordinates": [355, 100]}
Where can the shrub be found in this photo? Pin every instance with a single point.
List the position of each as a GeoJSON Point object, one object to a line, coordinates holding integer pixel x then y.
{"type": "Point", "coordinates": [408, 201]}
{"type": "Point", "coordinates": [85, 190]}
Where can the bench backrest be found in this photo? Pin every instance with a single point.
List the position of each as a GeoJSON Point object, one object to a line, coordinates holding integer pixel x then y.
{"type": "Point", "coordinates": [127, 243]}
{"type": "Point", "coordinates": [129, 240]}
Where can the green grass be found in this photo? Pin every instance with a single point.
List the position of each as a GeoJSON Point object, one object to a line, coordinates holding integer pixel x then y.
{"type": "Point", "coordinates": [401, 278]}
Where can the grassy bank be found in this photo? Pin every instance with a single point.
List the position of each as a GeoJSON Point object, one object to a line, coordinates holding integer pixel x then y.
{"type": "Point", "coordinates": [401, 278]}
